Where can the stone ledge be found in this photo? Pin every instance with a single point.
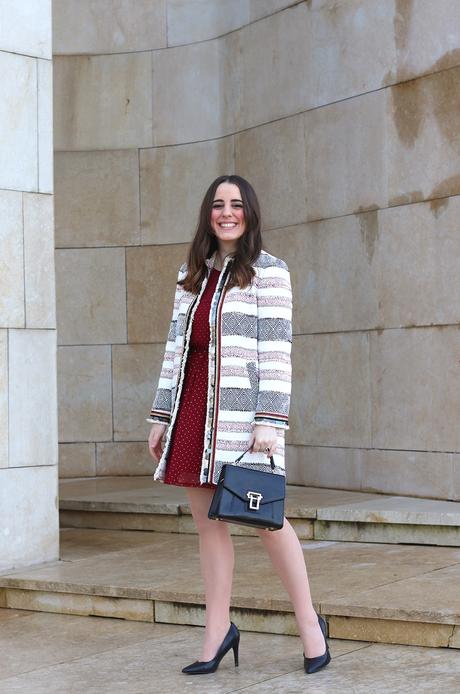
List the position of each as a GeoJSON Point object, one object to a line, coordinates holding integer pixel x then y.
{"type": "Point", "coordinates": [393, 631]}
{"type": "Point", "coordinates": [162, 523]}
{"type": "Point", "coordinates": [388, 593]}
{"type": "Point", "coordinates": [352, 531]}
{"type": "Point", "coordinates": [395, 509]}
{"type": "Point", "coordinates": [77, 604]}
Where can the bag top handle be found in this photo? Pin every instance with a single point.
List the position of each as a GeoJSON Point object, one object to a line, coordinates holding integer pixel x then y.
{"type": "Point", "coordinates": [272, 462]}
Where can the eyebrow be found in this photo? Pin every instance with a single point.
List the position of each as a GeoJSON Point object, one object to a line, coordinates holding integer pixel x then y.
{"type": "Point", "coordinates": [232, 200]}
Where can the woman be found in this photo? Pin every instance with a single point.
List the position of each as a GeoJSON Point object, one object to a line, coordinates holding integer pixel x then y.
{"type": "Point", "coordinates": [224, 388]}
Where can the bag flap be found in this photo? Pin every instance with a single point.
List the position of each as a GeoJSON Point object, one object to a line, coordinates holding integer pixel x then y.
{"type": "Point", "coordinates": [239, 481]}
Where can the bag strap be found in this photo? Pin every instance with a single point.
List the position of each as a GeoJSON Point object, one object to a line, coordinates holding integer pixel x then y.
{"type": "Point", "coordinates": [272, 462]}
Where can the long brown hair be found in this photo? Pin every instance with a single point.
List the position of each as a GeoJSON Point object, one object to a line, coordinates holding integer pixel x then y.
{"type": "Point", "coordinates": [204, 242]}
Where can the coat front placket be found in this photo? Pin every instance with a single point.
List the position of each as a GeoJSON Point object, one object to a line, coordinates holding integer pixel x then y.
{"type": "Point", "coordinates": [212, 404]}
{"type": "Point", "coordinates": [213, 360]}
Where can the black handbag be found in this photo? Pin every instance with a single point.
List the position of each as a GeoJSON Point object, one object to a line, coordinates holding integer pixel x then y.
{"type": "Point", "coordinates": [249, 497]}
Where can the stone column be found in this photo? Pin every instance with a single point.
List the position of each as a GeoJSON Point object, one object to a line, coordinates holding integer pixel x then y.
{"type": "Point", "coordinates": [29, 527]}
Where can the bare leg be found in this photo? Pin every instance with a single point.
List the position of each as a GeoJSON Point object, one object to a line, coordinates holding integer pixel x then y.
{"type": "Point", "coordinates": [217, 561]}
{"type": "Point", "coordinates": [286, 555]}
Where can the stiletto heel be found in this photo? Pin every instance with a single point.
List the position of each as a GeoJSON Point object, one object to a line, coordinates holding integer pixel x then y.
{"type": "Point", "coordinates": [235, 651]}
{"type": "Point", "coordinates": [203, 667]}
{"type": "Point", "coordinates": [312, 665]}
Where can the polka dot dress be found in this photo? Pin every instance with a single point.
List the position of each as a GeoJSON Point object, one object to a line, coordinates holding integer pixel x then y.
{"type": "Point", "coordinates": [186, 447]}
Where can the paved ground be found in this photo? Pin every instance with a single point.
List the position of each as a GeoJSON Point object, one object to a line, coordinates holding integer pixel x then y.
{"type": "Point", "coordinates": [54, 654]}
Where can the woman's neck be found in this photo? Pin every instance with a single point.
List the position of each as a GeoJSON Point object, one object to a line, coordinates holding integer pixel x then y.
{"type": "Point", "coordinates": [220, 258]}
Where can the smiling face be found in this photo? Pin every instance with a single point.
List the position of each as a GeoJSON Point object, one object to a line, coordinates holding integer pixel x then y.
{"type": "Point", "coordinates": [227, 216]}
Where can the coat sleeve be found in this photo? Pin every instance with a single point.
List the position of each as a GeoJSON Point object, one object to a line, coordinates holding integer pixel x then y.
{"type": "Point", "coordinates": [274, 341]}
{"type": "Point", "coordinates": [161, 407]}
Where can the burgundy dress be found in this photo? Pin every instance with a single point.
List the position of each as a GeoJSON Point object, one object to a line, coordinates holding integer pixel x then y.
{"type": "Point", "coordinates": [186, 446]}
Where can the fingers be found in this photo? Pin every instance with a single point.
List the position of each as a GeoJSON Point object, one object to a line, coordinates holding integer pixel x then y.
{"type": "Point", "coordinates": [155, 448]}
{"type": "Point", "coordinates": [264, 445]}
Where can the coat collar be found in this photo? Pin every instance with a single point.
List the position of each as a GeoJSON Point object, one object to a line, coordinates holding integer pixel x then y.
{"type": "Point", "coordinates": [210, 261]}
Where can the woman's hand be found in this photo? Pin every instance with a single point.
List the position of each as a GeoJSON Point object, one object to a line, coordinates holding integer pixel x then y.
{"type": "Point", "coordinates": [263, 437]}
{"type": "Point", "coordinates": [155, 437]}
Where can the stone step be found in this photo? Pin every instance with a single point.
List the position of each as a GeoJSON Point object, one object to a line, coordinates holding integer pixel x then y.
{"type": "Point", "coordinates": [139, 503]}
{"type": "Point", "coordinates": [367, 591]}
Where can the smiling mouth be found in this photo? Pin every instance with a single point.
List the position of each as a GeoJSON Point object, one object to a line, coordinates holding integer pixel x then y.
{"type": "Point", "coordinates": [228, 225]}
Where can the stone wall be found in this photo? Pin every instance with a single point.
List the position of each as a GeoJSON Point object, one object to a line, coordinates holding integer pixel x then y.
{"type": "Point", "coordinates": [28, 396]}
{"type": "Point", "coordinates": [344, 115]}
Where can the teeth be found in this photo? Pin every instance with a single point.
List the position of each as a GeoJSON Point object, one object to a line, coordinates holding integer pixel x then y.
{"type": "Point", "coordinates": [229, 225]}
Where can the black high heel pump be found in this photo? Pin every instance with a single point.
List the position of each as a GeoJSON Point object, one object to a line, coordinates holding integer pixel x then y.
{"type": "Point", "coordinates": [203, 667]}
{"type": "Point", "coordinates": [312, 665]}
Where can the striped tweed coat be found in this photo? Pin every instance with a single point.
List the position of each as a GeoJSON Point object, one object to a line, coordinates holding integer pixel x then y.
{"type": "Point", "coordinates": [249, 365]}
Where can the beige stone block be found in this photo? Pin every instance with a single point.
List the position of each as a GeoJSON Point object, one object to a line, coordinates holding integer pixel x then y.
{"type": "Point", "coordinates": [91, 295]}
{"type": "Point", "coordinates": [304, 529]}
{"type": "Point", "coordinates": [11, 260]}
{"type": "Point", "coordinates": [415, 389]}
{"type": "Point", "coordinates": [151, 273]}
{"type": "Point", "coordinates": [85, 399]}
{"type": "Point", "coordinates": [18, 118]}
{"type": "Point", "coordinates": [272, 157]}
{"type": "Point", "coordinates": [426, 37]}
{"type": "Point", "coordinates": [389, 533]}
{"type": "Point", "coordinates": [69, 603]}
{"type": "Point", "coordinates": [192, 167]}
{"type": "Point", "coordinates": [331, 390]}
{"type": "Point", "coordinates": [132, 395]}
{"type": "Point", "coordinates": [192, 76]}
{"type": "Point", "coordinates": [109, 520]}
{"type": "Point", "coordinates": [32, 398]}
{"type": "Point", "coordinates": [109, 98]}
{"type": "Point", "coordinates": [416, 264]}
{"type": "Point", "coordinates": [423, 146]}
{"type": "Point", "coordinates": [416, 473]}
{"type": "Point", "coordinates": [3, 398]}
{"type": "Point", "coordinates": [83, 26]}
{"type": "Point", "coordinates": [455, 638]}
{"type": "Point", "coordinates": [331, 296]}
{"type": "Point", "coordinates": [345, 153]}
{"type": "Point", "coordinates": [39, 261]}
{"type": "Point", "coordinates": [124, 458]}
{"type": "Point", "coordinates": [97, 198]}
{"type": "Point", "coordinates": [35, 507]}
{"type": "Point", "coordinates": [77, 459]}
{"type": "Point", "coordinates": [190, 21]}
{"type": "Point", "coordinates": [390, 631]}
{"type": "Point", "coordinates": [351, 47]}
{"type": "Point", "coordinates": [247, 619]}
{"type": "Point", "coordinates": [396, 509]}
{"type": "Point", "coordinates": [45, 126]}
{"type": "Point", "coordinates": [262, 8]}
{"type": "Point", "coordinates": [26, 27]}
{"type": "Point", "coordinates": [323, 466]}
{"type": "Point", "coordinates": [456, 476]}
{"type": "Point", "coordinates": [276, 67]}
{"type": "Point", "coordinates": [2, 598]}
{"type": "Point", "coordinates": [428, 595]}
